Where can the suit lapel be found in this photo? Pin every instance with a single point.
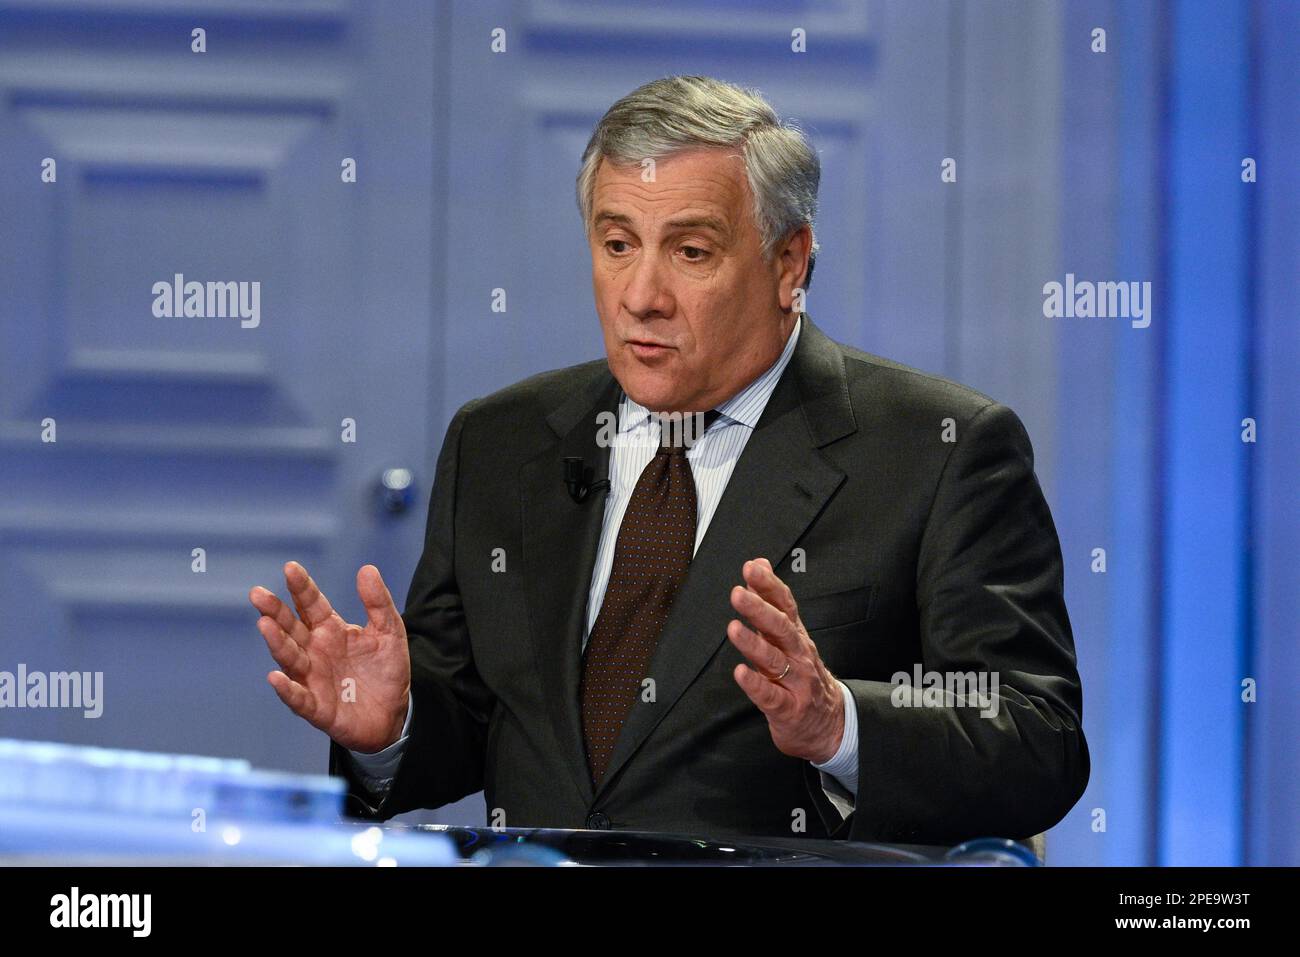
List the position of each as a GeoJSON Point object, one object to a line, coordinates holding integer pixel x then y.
{"type": "Point", "coordinates": [560, 540]}
{"type": "Point", "coordinates": [779, 485]}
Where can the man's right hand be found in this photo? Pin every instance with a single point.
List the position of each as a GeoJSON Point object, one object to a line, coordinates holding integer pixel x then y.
{"type": "Point", "coordinates": [351, 682]}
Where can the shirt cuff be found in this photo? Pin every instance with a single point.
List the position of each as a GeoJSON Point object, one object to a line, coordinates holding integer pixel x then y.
{"type": "Point", "coordinates": [843, 764]}
{"type": "Point", "coordinates": [378, 769]}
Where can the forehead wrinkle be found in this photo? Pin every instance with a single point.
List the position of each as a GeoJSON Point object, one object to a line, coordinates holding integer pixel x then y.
{"type": "Point", "coordinates": [714, 181]}
{"type": "Point", "coordinates": [726, 178]}
{"type": "Point", "coordinates": [700, 210]}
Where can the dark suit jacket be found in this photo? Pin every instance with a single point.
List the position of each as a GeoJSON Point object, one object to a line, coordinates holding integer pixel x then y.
{"type": "Point", "coordinates": [914, 549]}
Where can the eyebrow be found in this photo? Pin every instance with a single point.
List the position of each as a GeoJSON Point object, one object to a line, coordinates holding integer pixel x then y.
{"type": "Point", "coordinates": [700, 222]}
{"type": "Point", "coordinates": [607, 217]}
{"type": "Point", "coordinates": [688, 222]}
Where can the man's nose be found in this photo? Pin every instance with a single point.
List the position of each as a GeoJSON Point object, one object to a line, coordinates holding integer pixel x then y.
{"type": "Point", "coordinates": [647, 292]}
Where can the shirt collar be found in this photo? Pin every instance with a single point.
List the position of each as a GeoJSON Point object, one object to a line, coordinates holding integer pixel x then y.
{"type": "Point", "coordinates": [745, 407]}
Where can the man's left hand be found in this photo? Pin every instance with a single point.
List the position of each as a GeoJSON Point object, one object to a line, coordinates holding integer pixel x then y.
{"type": "Point", "coordinates": [785, 676]}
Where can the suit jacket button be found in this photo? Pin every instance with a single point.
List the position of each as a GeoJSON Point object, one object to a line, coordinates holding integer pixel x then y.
{"type": "Point", "coordinates": [598, 821]}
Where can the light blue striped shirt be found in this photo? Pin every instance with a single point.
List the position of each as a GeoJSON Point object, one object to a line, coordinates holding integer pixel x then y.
{"type": "Point", "coordinates": [712, 457]}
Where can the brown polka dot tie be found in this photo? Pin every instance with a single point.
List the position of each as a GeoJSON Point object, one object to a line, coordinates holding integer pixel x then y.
{"type": "Point", "coordinates": [651, 555]}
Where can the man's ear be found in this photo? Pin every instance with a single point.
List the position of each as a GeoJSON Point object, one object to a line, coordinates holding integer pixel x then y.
{"type": "Point", "coordinates": [792, 264]}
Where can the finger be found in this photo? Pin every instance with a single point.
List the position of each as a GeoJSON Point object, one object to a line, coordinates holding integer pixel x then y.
{"type": "Point", "coordinates": [298, 699]}
{"type": "Point", "coordinates": [313, 607]}
{"type": "Point", "coordinates": [284, 649]}
{"type": "Point", "coordinates": [269, 605]}
{"type": "Point", "coordinates": [760, 577]}
{"type": "Point", "coordinates": [762, 655]}
{"type": "Point", "coordinates": [767, 696]}
{"type": "Point", "coordinates": [381, 613]}
{"type": "Point", "coordinates": [771, 623]}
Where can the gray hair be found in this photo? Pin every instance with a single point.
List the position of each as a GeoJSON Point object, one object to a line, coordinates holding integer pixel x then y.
{"type": "Point", "coordinates": [676, 113]}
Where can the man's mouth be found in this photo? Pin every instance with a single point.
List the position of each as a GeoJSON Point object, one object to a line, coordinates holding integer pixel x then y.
{"type": "Point", "coordinates": [647, 349]}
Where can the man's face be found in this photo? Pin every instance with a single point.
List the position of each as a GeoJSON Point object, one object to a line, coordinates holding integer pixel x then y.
{"type": "Point", "coordinates": [690, 311]}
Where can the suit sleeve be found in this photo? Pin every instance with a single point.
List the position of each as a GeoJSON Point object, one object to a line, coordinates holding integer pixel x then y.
{"type": "Point", "coordinates": [443, 757]}
{"type": "Point", "coordinates": [990, 599]}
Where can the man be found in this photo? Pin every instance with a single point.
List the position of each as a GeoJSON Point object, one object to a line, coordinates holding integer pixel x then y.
{"type": "Point", "coordinates": [708, 642]}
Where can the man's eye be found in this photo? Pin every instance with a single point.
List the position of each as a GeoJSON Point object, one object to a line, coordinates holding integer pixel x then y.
{"type": "Point", "coordinates": [700, 254]}
{"type": "Point", "coordinates": [614, 242]}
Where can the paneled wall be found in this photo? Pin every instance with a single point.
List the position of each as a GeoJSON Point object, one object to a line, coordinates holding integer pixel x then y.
{"type": "Point", "coordinates": [128, 159]}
